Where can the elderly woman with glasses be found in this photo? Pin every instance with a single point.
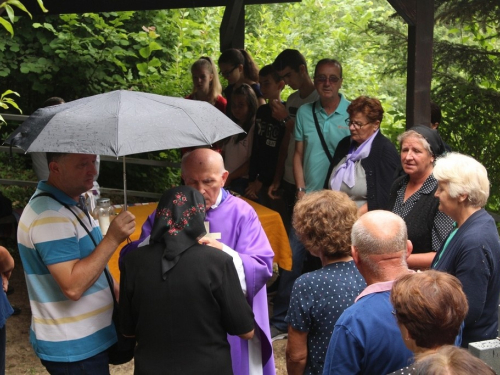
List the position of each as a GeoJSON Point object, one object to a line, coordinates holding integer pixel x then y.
{"type": "Point", "coordinates": [429, 307]}
{"type": "Point", "coordinates": [412, 195]}
{"type": "Point", "coordinates": [365, 162]}
{"type": "Point", "coordinates": [472, 251]}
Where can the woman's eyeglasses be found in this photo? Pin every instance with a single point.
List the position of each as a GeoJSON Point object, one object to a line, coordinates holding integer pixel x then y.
{"type": "Point", "coordinates": [226, 74]}
{"type": "Point", "coordinates": [356, 124]}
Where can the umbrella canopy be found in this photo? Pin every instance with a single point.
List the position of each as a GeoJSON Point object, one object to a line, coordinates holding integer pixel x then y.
{"type": "Point", "coordinates": [121, 123]}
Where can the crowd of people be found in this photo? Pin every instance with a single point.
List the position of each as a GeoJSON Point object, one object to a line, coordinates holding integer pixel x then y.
{"type": "Point", "coordinates": [405, 260]}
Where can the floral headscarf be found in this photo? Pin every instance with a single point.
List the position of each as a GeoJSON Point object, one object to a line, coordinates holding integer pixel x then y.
{"type": "Point", "coordinates": [179, 223]}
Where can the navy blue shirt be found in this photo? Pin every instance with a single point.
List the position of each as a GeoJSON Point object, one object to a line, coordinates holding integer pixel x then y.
{"type": "Point", "coordinates": [367, 340]}
{"type": "Point", "coordinates": [473, 256]}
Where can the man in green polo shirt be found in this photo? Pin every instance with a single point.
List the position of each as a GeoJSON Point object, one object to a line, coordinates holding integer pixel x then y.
{"type": "Point", "coordinates": [327, 115]}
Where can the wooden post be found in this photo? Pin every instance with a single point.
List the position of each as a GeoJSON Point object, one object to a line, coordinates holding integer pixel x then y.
{"type": "Point", "coordinates": [232, 28]}
{"type": "Point", "coordinates": [420, 37]}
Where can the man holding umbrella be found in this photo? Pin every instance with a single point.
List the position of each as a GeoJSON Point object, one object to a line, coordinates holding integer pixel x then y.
{"type": "Point", "coordinates": [64, 256]}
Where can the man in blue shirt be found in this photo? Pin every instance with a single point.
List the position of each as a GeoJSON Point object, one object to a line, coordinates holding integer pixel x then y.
{"type": "Point", "coordinates": [366, 338]}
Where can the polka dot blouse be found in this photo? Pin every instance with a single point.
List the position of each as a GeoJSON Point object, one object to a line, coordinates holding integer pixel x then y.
{"type": "Point", "coordinates": [317, 301]}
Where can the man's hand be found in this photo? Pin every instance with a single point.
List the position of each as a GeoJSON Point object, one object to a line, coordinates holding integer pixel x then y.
{"type": "Point", "coordinates": [271, 192]}
{"type": "Point", "coordinates": [278, 110]}
{"type": "Point", "coordinates": [6, 267]}
{"type": "Point", "coordinates": [211, 242]}
{"type": "Point", "coordinates": [121, 227]}
{"type": "Point", "coordinates": [5, 280]}
{"type": "Point", "coordinates": [253, 189]}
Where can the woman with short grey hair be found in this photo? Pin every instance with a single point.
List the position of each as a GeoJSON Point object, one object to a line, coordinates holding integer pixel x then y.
{"type": "Point", "coordinates": [472, 250]}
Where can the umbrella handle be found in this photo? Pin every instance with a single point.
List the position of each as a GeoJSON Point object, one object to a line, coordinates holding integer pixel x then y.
{"type": "Point", "coordinates": [124, 185]}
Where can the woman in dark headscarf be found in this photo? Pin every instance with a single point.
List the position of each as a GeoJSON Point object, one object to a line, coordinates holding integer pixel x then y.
{"type": "Point", "coordinates": [412, 195]}
{"type": "Point", "coordinates": [180, 298]}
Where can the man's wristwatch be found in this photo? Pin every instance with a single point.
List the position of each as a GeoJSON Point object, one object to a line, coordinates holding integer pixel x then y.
{"type": "Point", "coordinates": [285, 120]}
{"type": "Point", "coordinates": [301, 189]}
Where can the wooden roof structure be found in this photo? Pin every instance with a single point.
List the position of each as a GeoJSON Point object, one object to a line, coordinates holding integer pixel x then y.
{"type": "Point", "coordinates": [418, 14]}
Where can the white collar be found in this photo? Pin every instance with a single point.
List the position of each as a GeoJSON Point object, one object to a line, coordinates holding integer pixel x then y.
{"type": "Point", "coordinates": [217, 202]}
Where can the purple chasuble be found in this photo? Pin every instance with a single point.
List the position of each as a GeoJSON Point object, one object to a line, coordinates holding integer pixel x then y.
{"type": "Point", "coordinates": [242, 231]}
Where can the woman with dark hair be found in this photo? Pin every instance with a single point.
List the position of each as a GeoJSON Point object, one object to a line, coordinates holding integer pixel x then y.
{"type": "Point", "coordinates": [429, 307]}
{"type": "Point", "coordinates": [238, 67]}
{"type": "Point", "coordinates": [179, 298]}
{"type": "Point", "coordinates": [238, 148]}
{"type": "Point", "coordinates": [412, 195]}
{"type": "Point", "coordinates": [472, 250]}
{"type": "Point", "coordinates": [365, 162]}
{"type": "Point", "coordinates": [323, 221]}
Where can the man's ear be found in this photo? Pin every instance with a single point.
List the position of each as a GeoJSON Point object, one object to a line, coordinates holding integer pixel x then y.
{"type": "Point", "coordinates": [224, 177]}
{"type": "Point", "coordinates": [409, 248]}
{"type": "Point", "coordinates": [53, 167]}
{"type": "Point", "coordinates": [355, 255]}
{"type": "Point", "coordinates": [302, 69]}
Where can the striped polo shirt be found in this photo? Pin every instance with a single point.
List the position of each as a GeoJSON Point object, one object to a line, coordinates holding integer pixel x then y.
{"type": "Point", "coordinates": [62, 330]}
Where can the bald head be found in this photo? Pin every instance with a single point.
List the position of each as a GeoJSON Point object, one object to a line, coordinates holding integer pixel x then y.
{"type": "Point", "coordinates": [380, 246]}
{"type": "Point", "coordinates": [203, 158]}
{"type": "Point", "coordinates": [379, 232]}
{"type": "Point", "coordinates": [203, 169]}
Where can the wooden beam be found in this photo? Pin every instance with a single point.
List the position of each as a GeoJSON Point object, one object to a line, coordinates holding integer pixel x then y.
{"type": "Point", "coordinates": [97, 6]}
{"type": "Point", "coordinates": [406, 9]}
{"type": "Point", "coordinates": [232, 28]}
{"type": "Point", "coordinates": [420, 38]}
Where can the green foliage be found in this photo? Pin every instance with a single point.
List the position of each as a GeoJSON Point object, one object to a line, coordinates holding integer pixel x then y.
{"type": "Point", "coordinates": [17, 167]}
{"type": "Point", "coordinates": [8, 6]}
{"type": "Point", "coordinates": [6, 101]}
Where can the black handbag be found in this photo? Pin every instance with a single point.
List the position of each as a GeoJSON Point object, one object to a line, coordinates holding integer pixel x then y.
{"type": "Point", "coordinates": [123, 350]}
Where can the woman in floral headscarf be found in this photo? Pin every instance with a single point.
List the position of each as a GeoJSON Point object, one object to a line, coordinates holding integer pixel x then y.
{"type": "Point", "coordinates": [180, 298]}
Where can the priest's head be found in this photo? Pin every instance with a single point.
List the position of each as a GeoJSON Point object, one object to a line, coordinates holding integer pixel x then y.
{"type": "Point", "coordinates": [203, 169]}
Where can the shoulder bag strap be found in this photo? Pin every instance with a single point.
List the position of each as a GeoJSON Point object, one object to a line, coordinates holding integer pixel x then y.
{"type": "Point", "coordinates": [106, 272]}
{"type": "Point", "coordinates": [320, 134]}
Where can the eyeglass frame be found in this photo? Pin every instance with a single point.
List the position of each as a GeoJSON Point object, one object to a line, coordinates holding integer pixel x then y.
{"type": "Point", "coordinates": [331, 79]}
{"type": "Point", "coordinates": [226, 74]}
{"type": "Point", "coordinates": [348, 122]}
